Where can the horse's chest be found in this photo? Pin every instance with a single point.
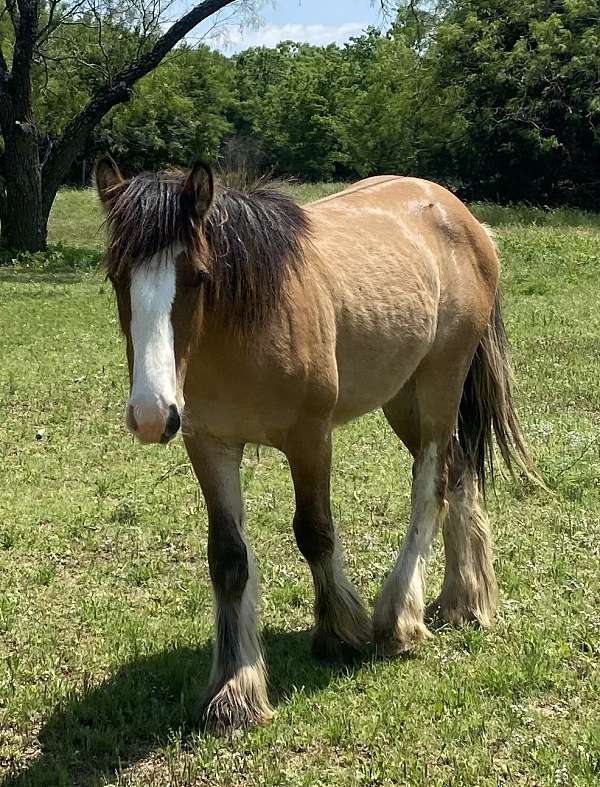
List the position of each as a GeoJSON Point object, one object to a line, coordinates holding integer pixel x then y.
{"type": "Point", "coordinates": [240, 421]}
{"type": "Point", "coordinates": [240, 403]}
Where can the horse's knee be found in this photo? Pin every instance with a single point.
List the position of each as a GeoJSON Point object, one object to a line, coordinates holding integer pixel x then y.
{"type": "Point", "coordinates": [314, 535]}
{"type": "Point", "coordinates": [227, 557]}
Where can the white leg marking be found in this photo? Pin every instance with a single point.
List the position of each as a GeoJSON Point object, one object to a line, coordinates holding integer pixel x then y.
{"type": "Point", "coordinates": [410, 567]}
{"type": "Point", "coordinates": [400, 608]}
{"type": "Point", "coordinates": [469, 591]}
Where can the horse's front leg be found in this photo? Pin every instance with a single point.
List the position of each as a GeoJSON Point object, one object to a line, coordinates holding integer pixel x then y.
{"type": "Point", "coordinates": [342, 626]}
{"type": "Point", "coordinates": [237, 692]}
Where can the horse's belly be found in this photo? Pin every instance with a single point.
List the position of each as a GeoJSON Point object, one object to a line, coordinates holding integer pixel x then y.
{"type": "Point", "coordinates": [372, 381]}
{"type": "Point", "coordinates": [376, 357]}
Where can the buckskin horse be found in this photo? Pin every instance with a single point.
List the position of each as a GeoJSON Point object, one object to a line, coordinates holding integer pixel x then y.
{"type": "Point", "coordinates": [272, 323]}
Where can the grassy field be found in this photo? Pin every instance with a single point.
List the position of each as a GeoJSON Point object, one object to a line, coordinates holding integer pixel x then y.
{"type": "Point", "coordinates": [105, 604]}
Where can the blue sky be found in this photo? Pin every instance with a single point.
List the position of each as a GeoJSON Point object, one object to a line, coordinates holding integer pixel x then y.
{"type": "Point", "coordinates": [314, 21]}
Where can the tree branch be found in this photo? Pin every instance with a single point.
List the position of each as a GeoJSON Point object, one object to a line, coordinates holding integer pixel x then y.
{"type": "Point", "coordinates": [98, 19]}
{"type": "Point", "coordinates": [117, 91]}
{"type": "Point", "coordinates": [49, 24]}
{"type": "Point", "coordinates": [13, 12]}
{"type": "Point", "coordinates": [54, 22]}
{"type": "Point", "coordinates": [25, 35]}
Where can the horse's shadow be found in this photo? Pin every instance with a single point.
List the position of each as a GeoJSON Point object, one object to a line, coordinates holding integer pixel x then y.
{"type": "Point", "coordinates": [107, 727]}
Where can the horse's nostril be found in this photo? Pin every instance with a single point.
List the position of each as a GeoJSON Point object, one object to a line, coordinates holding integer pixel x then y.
{"type": "Point", "coordinates": [173, 423]}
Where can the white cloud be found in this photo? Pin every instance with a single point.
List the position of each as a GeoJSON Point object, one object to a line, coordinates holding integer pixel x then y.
{"type": "Point", "coordinates": [235, 39]}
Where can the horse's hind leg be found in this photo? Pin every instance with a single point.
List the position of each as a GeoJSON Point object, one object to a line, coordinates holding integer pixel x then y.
{"type": "Point", "coordinates": [237, 693]}
{"type": "Point", "coordinates": [469, 592]}
{"type": "Point", "coordinates": [342, 626]}
{"type": "Point", "coordinates": [424, 416]}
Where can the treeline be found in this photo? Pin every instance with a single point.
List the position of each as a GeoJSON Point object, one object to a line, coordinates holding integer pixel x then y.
{"type": "Point", "coordinates": [498, 99]}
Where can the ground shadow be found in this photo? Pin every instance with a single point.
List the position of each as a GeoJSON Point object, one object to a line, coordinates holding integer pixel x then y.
{"type": "Point", "coordinates": [148, 699]}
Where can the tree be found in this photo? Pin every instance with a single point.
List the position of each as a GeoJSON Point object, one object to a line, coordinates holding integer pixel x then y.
{"type": "Point", "coordinates": [126, 40]}
{"type": "Point", "coordinates": [523, 75]}
{"type": "Point", "coordinates": [378, 99]}
{"type": "Point", "coordinates": [178, 111]}
{"type": "Point", "coordinates": [296, 118]}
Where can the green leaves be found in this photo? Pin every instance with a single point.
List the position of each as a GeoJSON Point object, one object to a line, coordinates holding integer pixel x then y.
{"type": "Point", "coordinates": [178, 112]}
{"type": "Point", "coordinates": [530, 80]}
{"type": "Point", "coordinates": [498, 99]}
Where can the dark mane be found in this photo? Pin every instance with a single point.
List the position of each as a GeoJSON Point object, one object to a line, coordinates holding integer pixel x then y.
{"type": "Point", "coordinates": [249, 242]}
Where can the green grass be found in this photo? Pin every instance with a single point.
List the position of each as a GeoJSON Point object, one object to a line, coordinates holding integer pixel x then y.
{"type": "Point", "coordinates": [76, 220]}
{"type": "Point", "coordinates": [105, 604]}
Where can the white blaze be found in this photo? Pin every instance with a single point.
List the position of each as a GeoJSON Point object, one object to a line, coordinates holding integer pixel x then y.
{"type": "Point", "coordinates": [154, 377]}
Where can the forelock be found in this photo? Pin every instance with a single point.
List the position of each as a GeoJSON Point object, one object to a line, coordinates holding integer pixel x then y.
{"type": "Point", "coordinates": [250, 242]}
{"type": "Point", "coordinates": [151, 212]}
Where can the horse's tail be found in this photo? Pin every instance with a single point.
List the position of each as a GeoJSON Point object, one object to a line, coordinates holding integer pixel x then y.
{"type": "Point", "coordinates": [487, 408]}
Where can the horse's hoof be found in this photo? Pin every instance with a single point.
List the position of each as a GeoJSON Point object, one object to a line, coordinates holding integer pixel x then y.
{"type": "Point", "coordinates": [461, 614]}
{"type": "Point", "coordinates": [228, 711]}
{"type": "Point", "coordinates": [403, 639]}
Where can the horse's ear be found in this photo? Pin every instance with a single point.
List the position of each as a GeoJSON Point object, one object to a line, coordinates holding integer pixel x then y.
{"type": "Point", "coordinates": [200, 188]}
{"type": "Point", "coordinates": [108, 178]}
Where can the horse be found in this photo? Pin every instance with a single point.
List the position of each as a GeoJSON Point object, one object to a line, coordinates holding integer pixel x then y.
{"type": "Point", "coordinates": [250, 319]}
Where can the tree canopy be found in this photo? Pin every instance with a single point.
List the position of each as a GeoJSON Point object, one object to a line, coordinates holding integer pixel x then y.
{"type": "Point", "coordinates": [499, 100]}
{"type": "Point", "coordinates": [102, 47]}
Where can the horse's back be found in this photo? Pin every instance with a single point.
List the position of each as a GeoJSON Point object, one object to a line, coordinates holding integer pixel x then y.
{"type": "Point", "coordinates": [389, 227]}
{"type": "Point", "coordinates": [409, 271]}
{"type": "Point", "coordinates": [358, 185]}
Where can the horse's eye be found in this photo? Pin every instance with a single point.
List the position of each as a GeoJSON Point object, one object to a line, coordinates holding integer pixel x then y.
{"type": "Point", "coordinates": [195, 279]}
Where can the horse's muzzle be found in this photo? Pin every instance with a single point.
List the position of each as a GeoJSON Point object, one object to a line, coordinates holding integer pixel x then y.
{"type": "Point", "coordinates": [151, 424]}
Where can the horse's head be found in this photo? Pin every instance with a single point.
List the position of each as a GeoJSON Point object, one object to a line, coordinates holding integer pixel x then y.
{"type": "Point", "coordinates": [156, 261]}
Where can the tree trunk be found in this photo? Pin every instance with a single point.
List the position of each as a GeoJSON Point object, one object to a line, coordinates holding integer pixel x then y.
{"type": "Point", "coordinates": [24, 220]}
